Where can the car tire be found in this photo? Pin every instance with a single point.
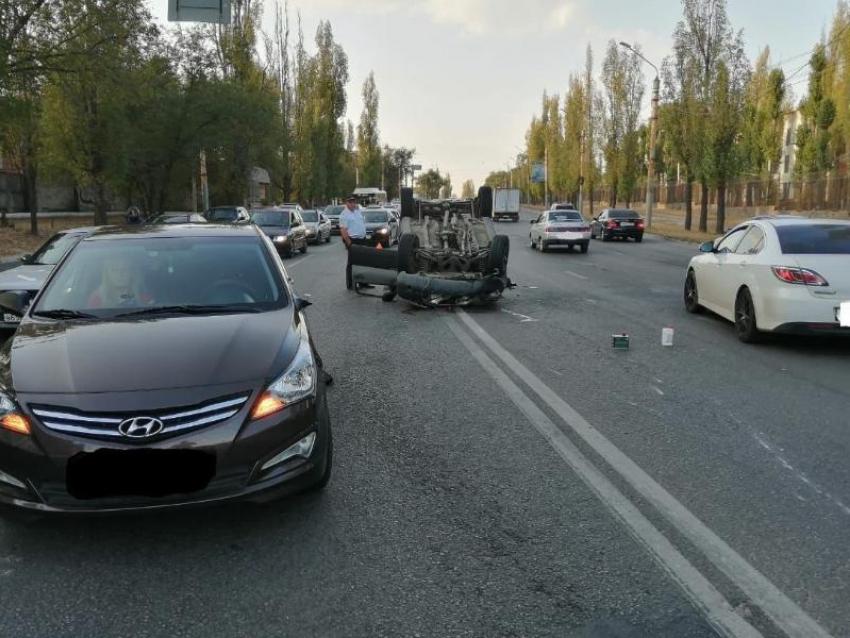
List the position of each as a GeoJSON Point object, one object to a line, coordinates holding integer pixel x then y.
{"type": "Point", "coordinates": [604, 237]}
{"type": "Point", "coordinates": [407, 202]}
{"type": "Point", "coordinates": [407, 247]}
{"type": "Point", "coordinates": [531, 243]}
{"type": "Point", "coordinates": [639, 238]}
{"type": "Point", "coordinates": [746, 324]}
{"type": "Point", "coordinates": [541, 246]}
{"type": "Point", "coordinates": [304, 247]}
{"type": "Point", "coordinates": [500, 249]}
{"type": "Point", "coordinates": [691, 294]}
{"type": "Point", "coordinates": [585, 246]}
{"type": "Point", "coordinates": [485, 202]}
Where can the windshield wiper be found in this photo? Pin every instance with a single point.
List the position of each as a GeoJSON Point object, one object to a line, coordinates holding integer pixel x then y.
{"type": "Point", "coordinates": [190, 310]}
{"type": "Point", "coordinates": [63, 313]}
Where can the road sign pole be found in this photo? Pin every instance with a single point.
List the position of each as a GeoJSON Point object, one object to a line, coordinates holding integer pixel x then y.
{"type": "Point", "coordinates": [205, 189]}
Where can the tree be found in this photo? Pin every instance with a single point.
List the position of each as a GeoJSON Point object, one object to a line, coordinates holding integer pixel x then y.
{"type": "Point", "coordinates": [468, 190]}
{"type": "Point", "coordinates": [819, 113]}
{"type": "Point", "coordinates": [446, 189]}
{"type": "Point", "coordinates": [429, 183]}
{"type": "Point", "coordinates": [703, 40]}
{"type": "Point", "coordinates": [368, 136]}
{"type": "Point", "coordinates": [722, 156]}
{"type": "Point", "coordinates": [624, 88]}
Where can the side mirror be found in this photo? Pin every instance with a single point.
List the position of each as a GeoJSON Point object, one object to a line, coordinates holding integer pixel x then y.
{"type": "Point", "coordinates": [25, 259]}
{"type": "Point", "coordinates": [301, 304]}
{"type": "Point", "coordinates": [15, 302]}
{"type": "Point", "coordinates": [707, 247]}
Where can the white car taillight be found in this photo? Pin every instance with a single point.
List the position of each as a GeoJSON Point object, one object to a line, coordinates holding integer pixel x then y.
{"type": "Point", "coordinates": [799, 276]}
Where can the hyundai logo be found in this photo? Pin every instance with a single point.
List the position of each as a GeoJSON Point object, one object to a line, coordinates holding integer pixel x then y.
{"type": "Point", "coordinates": [140, 427]}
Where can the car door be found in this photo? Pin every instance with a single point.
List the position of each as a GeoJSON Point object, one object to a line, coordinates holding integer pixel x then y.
{"type": "Point", "coordinates": [298, 224]}
{"type": "Point", "coordinates": [737, 267]}
{"type": "Point", "coordinates": [599, 223]}
{"type": "Point", "coordinates": [537, 228]}
{"type": "Point", "coordinates": [714, 268]}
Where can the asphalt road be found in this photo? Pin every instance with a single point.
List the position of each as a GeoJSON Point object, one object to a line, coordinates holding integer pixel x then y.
{"type": "Point", "coordinates": [504, 472]}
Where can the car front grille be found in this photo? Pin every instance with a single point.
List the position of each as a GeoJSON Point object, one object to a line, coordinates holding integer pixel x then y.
{"type": "Point", "coordinates": [106, 425]}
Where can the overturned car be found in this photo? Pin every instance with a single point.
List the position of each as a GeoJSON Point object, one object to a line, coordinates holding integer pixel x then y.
{"type": "Point", "coordinates": [448, 254]}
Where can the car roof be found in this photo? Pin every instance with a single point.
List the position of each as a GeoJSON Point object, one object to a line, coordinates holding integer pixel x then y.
{"type": "Point", "coordinates": [799, 221]}
{"type": "Point", "coordinates": [172, 230]}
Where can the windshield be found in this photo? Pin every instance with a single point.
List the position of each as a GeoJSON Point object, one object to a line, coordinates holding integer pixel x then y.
{"type": "Point", "coordinates": [333, 210]}
{"type": "Point", "coordinates": [375, 217]}
{"type": "Point", "coordinates": [622, 214]}
{"type": "Point", "coordinates": [565, 216]}
{"type": "Point", "coordinates": [52, 252]}
{"type": "Point", "coordinates": [814, 239]}
{"type": "Point", "coordinates": [310, 216]}
{"type": "Point", "coordinates": [108, 277]}
{"type": "Point", "coordinates": [223, 215]}
{"type": "Point", "coordinates": [271, 218]}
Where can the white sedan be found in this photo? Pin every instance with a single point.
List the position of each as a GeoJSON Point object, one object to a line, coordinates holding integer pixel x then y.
{"type": "Point", "coordinates": [780, 274]}
{"type": "Point", "coordinates": [559, 228]}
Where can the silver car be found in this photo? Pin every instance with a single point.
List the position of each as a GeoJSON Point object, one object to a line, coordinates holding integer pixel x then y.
{"type": "Point", "coordinates": [318, 226]}
{"type": "Point", "coordinates": [30, 276]}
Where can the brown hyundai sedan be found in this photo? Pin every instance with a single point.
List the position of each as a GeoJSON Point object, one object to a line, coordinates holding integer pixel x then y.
{"type": "Point", "coordinates": [162, 367]}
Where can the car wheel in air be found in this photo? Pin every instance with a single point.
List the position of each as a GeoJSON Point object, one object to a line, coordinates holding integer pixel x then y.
{"type": "Point", "coordinates": [745, 318]}
{"type": "Point", "coordinates": [407, 202]}
{"type": "Point", "coordinates": [499, 250]}
{"type": "Point", "coordinates": [407, 247]}
{"type": "Point", "coordinates": [692, 294]}
{"type": "Point", "coordinates": [485, 202]}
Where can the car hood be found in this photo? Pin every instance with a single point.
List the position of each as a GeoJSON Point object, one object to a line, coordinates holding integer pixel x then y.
{"type": "Point", "coordinates": [312, 225]}
{"type": "Point", "coordinates": [142, 355]}
{"type": "Point", "coordinates": [24, 277]}
{"type": "Point", "coordinates": [377, 226]}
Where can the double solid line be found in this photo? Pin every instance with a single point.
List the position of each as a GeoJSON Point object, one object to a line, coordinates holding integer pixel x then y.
{"type": "Point", "coordinates": [782, 611]}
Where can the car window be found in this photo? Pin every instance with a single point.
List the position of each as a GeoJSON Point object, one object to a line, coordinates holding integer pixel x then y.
{"type": "Point", "coordinates": [622, 214]}
{"type": "Point", "coordinates": [752, 242]}
{"type": "Point", "coordinates": [52, 252]}
{"type": "Point", "coordinates": [730, 242]}
{"type": "Point", "coordinates": [270, 218]}
{"type": "Point", "coordinates": [310, 216]}
{"type": "Point", "coordinates": [814, 239]}
{"type": "Point", "coordinates": [375, 216]}
{"type": "Point", "coordinates": [223, 214]}
{"type": "Point", "coordinates": [565, 216]}
{"type": "Point", "coordinates": [110, 277]}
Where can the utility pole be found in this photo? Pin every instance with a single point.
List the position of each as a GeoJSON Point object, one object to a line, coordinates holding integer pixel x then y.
{"type": "Point", "coordinates": [580, 203]}
{"type": "Point", "coordinates": [546, 175]}
{"type": "Point", "coordinates": [653, 126]}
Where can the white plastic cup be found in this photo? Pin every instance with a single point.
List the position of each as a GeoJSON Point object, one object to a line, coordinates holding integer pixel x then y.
{"type": "Point", "coordinates": [667, 336]}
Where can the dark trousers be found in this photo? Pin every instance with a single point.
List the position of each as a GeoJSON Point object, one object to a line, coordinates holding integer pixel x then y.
{"type": "Point", "coordinates": [349, 282]}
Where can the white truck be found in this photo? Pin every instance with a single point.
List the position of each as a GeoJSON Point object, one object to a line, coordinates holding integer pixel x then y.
{"type": "Point", "coordinates": [506, 204]}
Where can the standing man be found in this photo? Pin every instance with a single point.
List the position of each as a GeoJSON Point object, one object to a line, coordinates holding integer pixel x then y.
{"type": "Point", "coordinates": [352, 227]}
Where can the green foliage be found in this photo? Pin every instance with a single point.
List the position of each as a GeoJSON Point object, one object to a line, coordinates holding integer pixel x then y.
{"type": "Point", "coordinates": [368, 136]}
{"type": "Point", "coordinates": [429, 184]}
{"type": "Point", "coordinates": [468, 190]}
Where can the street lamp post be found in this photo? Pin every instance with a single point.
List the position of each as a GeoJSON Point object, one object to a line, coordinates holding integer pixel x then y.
{"type": "Point", "coordinates": [653, 128]}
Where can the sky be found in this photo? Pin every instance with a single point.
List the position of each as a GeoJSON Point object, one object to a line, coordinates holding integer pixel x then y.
{"type": "Point", "coordinates": [459, 80]}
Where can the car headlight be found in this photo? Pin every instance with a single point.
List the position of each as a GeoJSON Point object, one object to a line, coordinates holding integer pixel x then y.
{"type": "Point", "coordinates": [11, 418]}
{"type": "Point", "coordinates": [281, 239]}
{"type": "Point", "coordinates": [294, 385]}
{"type": "Point", "coordinates": [384, 231]}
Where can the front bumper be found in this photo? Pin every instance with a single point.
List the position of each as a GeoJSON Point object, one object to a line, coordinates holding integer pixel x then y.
{"type": "Point", "coordinates": [511, 216]}
{"type": "Point", "coordinates": [335, 226]}
{"type": "Point", "coordinates": [377, 238]}
{"type": "Point", "coordinates": [238, 447]}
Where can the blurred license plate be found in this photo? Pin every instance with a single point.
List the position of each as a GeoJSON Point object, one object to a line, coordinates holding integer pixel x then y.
{"type": "Point", "coordinates": [626, 224]}
{"type": "Point", "coordinates": [842, 314]}
{"type": "Point", "coordinates": [9, 318]}
{"type": "Point", "coordinates": [369, 236]}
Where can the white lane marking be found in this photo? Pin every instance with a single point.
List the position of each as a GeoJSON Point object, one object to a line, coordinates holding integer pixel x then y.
{"type": "Point", "coordinates": [297, 262]}
{"type": "Point", "coordinates": [798, 474]}
{"type": "Point", "coordinates": [705, 597]}
{"type": "Point", "coordinates": [576, 275]}
{"type": "Point", "coordinates": [592, 301]}
{"type": "Point", "coordinates": [523, 318]}
{"type": "Point", "coordinates": [587, 264]}
{"type": "Point", "coordinates": [560, 374]}
{"type": "Point", "coordinates": [658, 381]}
{"type": "Point", "coordinates": [784, 612]}
{"type": "Point", "coordinates": [658, 390]}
